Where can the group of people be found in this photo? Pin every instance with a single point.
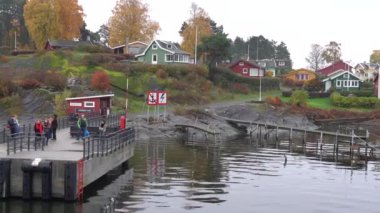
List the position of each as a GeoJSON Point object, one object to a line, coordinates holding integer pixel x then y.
{"type": "Point", "coordinates": [47, 128]}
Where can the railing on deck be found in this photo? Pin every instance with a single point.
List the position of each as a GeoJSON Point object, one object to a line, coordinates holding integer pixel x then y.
{"type": "Point", "coordinates": [24, 142]}
{"type": "Point", "coordinates": [105, 144]}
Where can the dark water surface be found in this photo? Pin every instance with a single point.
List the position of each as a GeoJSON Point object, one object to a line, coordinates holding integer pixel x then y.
{"type": "Point", "coordinates": [235, 177]}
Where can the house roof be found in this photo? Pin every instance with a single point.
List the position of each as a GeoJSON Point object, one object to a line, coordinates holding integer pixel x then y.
{"type": "Point", "coordinates": [88, 97]}
{"type": "Point", "coordinates": [302, 69]}
{"type": "Point", "coordinates": [266, 63]}
{"type": "Point", "coordinates": [338, 73]}
{"type": "Point", "coordinates": [339, 65]}
{"type": "Point", "coordinates": [168, 46]}
{"type": "Point", "coordinates": [68, 43]}
{"type": "Point", "coordinates": [251, 63]}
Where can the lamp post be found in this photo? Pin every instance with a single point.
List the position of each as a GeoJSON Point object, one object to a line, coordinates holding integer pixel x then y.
{"type": "Point", "coordinates": [257, 59]}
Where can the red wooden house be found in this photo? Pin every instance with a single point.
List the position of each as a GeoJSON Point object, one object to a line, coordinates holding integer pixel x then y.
{"type": "Point", "coordinates": [98, 104]}
{"type": "Point", "coordinates": [247, 69]}
{"type": "Point", "coordinates": [340, 65]}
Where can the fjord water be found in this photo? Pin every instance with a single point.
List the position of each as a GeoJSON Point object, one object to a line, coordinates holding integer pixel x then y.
{"type": "Point", "coordinates": [237, 176]}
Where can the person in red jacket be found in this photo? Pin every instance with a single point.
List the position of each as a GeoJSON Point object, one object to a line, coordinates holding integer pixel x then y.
{"type": "Point", "coordinates": [38, 128]}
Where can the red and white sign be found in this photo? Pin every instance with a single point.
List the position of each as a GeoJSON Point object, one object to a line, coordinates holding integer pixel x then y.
{"type": "Point", "coordinates": [162, 97]}
{"type": "Point", "coordinates": [157, 98]}
{"type": "Point", "coordinates": [152, 98]}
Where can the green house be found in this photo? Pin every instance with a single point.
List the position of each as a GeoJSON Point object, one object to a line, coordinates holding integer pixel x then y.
{"type": "Point", "coordinates": [163, 52]}
{"type": "Point", "coordinates": [342, 80]}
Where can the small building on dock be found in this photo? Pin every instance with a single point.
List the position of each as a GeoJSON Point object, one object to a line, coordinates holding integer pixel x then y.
{"type": "Point", "coordinates": [97, 104]}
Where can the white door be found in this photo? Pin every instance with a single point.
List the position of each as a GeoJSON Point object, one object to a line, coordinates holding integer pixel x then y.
{"type": "Point", "coordinates": [154, 59]}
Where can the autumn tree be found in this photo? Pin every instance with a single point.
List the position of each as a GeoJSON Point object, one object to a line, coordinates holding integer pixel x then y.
{"type": "Point", "coordinates": [100, 81]}
{"type": "Point", "coordinates": [315, 59]}
{"type": "Point", "coordinates": [197, 27]}
{"type": "Point", "coordinates": [375, 57]}
{"type": "Point", "coordinates": [53, 19]}
{"type": "Point", "coordinates": [332, 52]}
{"type": "Point", "coordinates": [130, 20]}
{"type": "Point", "coordinates": [13, 32]}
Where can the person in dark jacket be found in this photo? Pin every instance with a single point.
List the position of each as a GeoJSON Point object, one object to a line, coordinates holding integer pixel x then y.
{"type": "Point", "coordinates": [54, 126]}
{"type": "Point", "coordinates": [14, 126]}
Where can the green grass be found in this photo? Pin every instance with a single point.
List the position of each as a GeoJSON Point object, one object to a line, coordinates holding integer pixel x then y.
{"type": "Point", "coordinates": [253, 96]}
{"type": "Point", "coordinates": [325, 104]}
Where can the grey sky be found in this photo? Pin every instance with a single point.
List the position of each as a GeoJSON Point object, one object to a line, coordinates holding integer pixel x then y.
{"type": "Point", "coordinates": [299, 23]}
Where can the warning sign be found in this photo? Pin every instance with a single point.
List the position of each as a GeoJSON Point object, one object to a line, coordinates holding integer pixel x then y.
{"type": "Point", "coordinates": [162, 98]}
{"type": "Point", "coordinates": [152, 98]}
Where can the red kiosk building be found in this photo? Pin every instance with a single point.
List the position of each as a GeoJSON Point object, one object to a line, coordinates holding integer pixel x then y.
{"type": "Point", "coordinates": [98, 104]}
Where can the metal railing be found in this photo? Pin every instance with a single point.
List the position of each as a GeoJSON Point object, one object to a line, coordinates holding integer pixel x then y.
{"type": "Point", "coordinates": [25, 142]}
{"type": "Point", "coordinates": [105, 144]}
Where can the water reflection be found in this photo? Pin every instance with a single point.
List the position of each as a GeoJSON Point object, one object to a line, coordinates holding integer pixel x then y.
{"type": "Point", "coordinates": [237, 176]}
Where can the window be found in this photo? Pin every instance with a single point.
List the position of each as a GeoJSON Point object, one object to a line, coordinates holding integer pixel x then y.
{"type": "Point", "coordinates": [338, 83]}
{"type": "Point", "coordinates": [345, 75]}
{"type": "Point", "coordinates": [245, 70]}
{"type": "Point", "coordinates": [89, 104]}
{"type": "Point", "coordinates": [154, 46]}
{"type": "Point", "coordinates": [169, 58]}
{"type": "Point", "coordinates": [354, 83]}
{"type": "Point", "coordinates": [241, 63]}
{"type": "Point", "coordinates": [154, 59]}
{"type": "Point", "coordinates": [169, 46]}
{"type": "Point", "coordinates": [281, 63]}
{"type": "Point", "coordinates": [345, 83]}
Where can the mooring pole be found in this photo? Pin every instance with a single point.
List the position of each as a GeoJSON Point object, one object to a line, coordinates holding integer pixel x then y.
{"type": "Point", "coordinates": [277, 133]}
{"type": "Point", "coordinates": [336, 149]}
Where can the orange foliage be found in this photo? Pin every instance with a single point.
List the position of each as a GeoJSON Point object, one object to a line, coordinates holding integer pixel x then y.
{"type": "Point", "coordinates": [100, 81]}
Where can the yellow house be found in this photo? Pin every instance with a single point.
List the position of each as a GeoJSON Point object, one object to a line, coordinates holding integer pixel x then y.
{"type": "Point", "coordinates": [302, 74]}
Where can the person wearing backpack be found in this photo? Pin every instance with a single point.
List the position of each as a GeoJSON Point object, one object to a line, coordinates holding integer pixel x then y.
{"type": "Point", "coordinates": [82, 125]}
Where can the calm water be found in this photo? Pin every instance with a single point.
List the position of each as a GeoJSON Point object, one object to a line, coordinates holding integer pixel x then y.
{"type": "Point", "coordinates": [236, 177]}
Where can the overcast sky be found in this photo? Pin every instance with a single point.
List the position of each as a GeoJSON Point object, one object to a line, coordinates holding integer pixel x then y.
{"type": "Point", "coordinates": [298, 23]}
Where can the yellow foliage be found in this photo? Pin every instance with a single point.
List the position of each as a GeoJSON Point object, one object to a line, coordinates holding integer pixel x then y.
{"type": "Point", "coordinates": [53, 19]}
{"type": "Point", "coordinates": [131, 21]}
{"type": "Point", "coordinates": [200, 23]}
{"type": "Point", "coordinates": [269, 73]}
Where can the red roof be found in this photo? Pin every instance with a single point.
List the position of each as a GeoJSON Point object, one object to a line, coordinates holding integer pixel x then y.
{"type": "Point", "coordinates": [340, 65]}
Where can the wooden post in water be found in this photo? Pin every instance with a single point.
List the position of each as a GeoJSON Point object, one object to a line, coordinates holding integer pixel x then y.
{"type": "Point", "coordinates": [321, 142]}
{"type": "Point", "coordinates": [276, 133]}
{"type": "Point", "coordinates": [336, 147]}
{"type": "Point", "coordinates": [290, 138]}
{"type": "Point", "coordinates": [352, 144]}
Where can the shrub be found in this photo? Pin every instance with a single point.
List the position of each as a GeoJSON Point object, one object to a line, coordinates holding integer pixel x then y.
{"type": "Point", "coordinates": [6, 86]}
{"type": "Point", "coordinates": [4, 59]}
{"type": "Point", "coordinates": [60, 102]}
{"type": "Point", "coordinates": [314, 85]}
{"type": "Point", "coordinates": [342, 101]}
{"type": "Point", "coordinates": [240, 88]}
{"type": "Point", "coordinates": [269, 73]}
{"type": "Point", "coordinates": [93, 49]}
{"type": "Point", "coordinates": [161, 74]}
{"type": "Point", "coordinates": [100, 81]}
{"type": "Point", "coordinates": [275, 101]}
{"type": "Point", "coordinates": [12, 104]}
{"type": "Point", "coordinates": [299, 97]}
{"type": "Point", "coordinates": [55, 80]}
{"type": "Point", "coordinates": [30, 84]}
{"type": "Point", "coordinates": [98, 59]}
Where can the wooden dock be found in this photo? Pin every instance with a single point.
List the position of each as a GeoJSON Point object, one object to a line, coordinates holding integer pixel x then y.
{"type": "Point", "coordinates": [61, 168]}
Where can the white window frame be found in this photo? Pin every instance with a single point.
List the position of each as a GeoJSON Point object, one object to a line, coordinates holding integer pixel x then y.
{"type": "Point", "coordinates": [89, 104]}
{"type": "Point", "coordinates": [338, 83]}
{"type": "Point", "coordinates": [154, 61]}
{"type": "Point", "coordinates": [345, 75]}
{"type": "Point", "coordinates": [345, 83]}
{"type": "Point", "coordinates": [241, 63]}
{"type": "Point", "coordinates": [170, 56]}
{"type": "Point", "coordinates": [281, 63]}
{"type": "Point", "coordinates": [245, 70]}
{"type": "Point", "coordinates": [154, 46]}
